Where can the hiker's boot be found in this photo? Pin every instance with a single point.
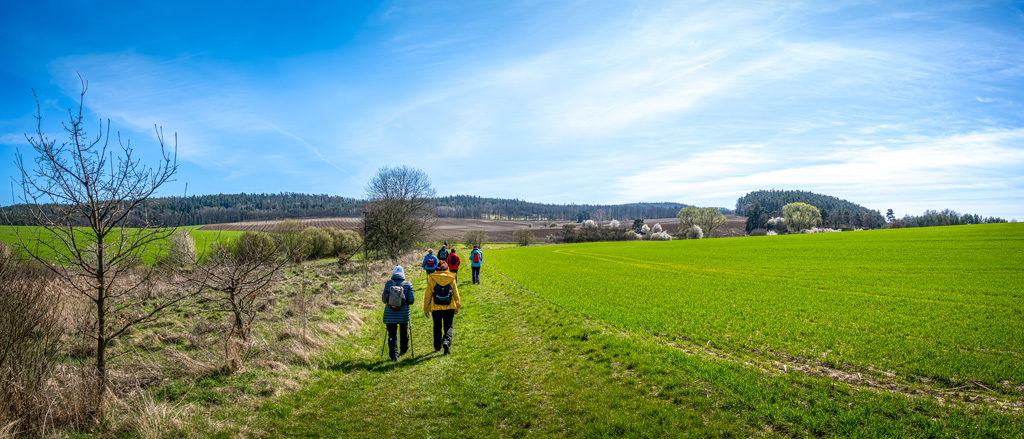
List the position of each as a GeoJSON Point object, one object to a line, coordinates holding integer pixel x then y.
{"type": "Point", "coordinates": [446, 349]}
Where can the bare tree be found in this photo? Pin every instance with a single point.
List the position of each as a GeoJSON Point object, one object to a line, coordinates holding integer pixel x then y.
{"type": "Point", "coordinates": [84, 194]}
{"type": "Point", "coordinates": [398, 211]}
{"type": "Point", "coordinates": [234, 275]}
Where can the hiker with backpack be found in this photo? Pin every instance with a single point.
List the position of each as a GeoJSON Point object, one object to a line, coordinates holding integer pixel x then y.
{"type": "Point", "coordinates": [398, 295]}
{"type": "Point", "coordinates": [453, 263]}
{"type": "Point", "coordinates": [476, 258]}
{"type": "Point", "coordinates": [442, 254]}
{"type": "Point", "coordinates": [442, 303]}
{"type": "Point", "coordinates": [430, 261]}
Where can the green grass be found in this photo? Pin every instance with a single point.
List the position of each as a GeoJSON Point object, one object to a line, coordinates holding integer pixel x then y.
{"type": "Point", "coordinates": [526, 365]}
{"type": "Point", "coordinates": [563, 341]}
{"type": "Point", "coordinates": [204, 239]}
{"type": "Point", "coordinates": [943, 303]}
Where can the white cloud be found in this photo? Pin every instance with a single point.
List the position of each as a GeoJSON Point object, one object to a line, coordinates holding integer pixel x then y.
{"type": "Point", "coordinates": [916, 167]}
{"type": "Point", "coordinates": [13, 139]}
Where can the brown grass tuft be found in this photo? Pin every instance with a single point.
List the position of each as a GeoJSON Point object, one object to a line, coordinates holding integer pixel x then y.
{"type": "Point", "coordinates": [191, 367]}
{"type": "Point", "coordinates": [271, 365]}
{"type": "Point", "coordinates": [298, 335]}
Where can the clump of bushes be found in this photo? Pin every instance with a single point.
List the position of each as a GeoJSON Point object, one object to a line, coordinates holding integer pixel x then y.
{"type": "Point", "coordinates": [523, 236]}
{"type": "Point", "coordinates": [694, 232]}
{"type": "Point", "coordinates": [819, 230]}
{"type": "Point", "coordinates": [660, 236]}
{"type": "Point", "coordinates": [475, 237]}
{"type": "Point", "coordinates": [346, 244]}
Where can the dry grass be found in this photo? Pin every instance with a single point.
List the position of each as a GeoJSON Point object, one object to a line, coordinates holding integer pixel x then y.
{"type": "Point", "coordinates": [182, 348]}
{"type": "Point", "coordinates": [191, 367]}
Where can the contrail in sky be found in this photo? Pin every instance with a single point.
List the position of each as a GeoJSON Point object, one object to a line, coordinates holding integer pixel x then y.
{"type": "Point", "coordinates": [315, 151]}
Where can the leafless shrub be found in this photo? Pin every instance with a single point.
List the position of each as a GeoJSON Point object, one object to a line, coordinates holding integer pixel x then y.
{"type": "Point", "coordinates": [235, 275]}
{"type": "Point", "coordinates": [30, 332]}
{"type": "Point", "coordinates": [475, 238]}
{"type": "Point", "coordinates": [524, 236]}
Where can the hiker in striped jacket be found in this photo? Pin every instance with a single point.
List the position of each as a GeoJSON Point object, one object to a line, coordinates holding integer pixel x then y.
{"type": "Point", "coordinates": [397, 320]}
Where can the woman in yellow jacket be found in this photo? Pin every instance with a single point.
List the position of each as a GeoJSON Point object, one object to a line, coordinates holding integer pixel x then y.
{"type": "Point", "coordinates": [442, 302]}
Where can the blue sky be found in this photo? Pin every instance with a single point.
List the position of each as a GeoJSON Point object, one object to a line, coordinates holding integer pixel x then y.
{"type": "Point", "coordinates": [905, 105]}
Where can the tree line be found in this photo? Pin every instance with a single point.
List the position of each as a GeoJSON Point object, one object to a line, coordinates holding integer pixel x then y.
{"type": "Point", "coordinates": [944, 217]}
{"type": "Point", "coordinates": [474, 207]}
{"type": "Point", "coordinates": [228, 208]}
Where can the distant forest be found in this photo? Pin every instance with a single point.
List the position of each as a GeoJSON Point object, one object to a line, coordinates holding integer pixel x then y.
{"type": "Point", "coordinates": [225, 208]}
{"type": "Point", "coordinates": [468, 206]}
{"type": "Point", "coordinates": [835, 212]}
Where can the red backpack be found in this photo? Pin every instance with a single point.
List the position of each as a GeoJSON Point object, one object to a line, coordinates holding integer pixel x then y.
{"type": "Point", "coordinates": [476, 257]}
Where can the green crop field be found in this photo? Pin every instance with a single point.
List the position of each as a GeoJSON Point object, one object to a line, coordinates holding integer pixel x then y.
{"type": "Point", "coordinates": [203, 238]}
{"type": "Point", "coordinates": [940, 304]}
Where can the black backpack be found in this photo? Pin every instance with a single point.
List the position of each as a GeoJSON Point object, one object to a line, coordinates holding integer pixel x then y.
{"type": "Point", "coordinates": [443, 294]}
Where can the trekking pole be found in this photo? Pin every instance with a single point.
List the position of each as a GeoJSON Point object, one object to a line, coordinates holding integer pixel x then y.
{"type": "Point", "coordinates": [411, 346]}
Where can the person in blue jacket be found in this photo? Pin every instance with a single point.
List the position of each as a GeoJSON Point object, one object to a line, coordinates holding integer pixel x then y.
{"type": "Point", "coordinates": [429, 261]}
{"type": "Point", "coordinates": [476, 258]}
{"type": "Point", "coordinates": [397, 319]}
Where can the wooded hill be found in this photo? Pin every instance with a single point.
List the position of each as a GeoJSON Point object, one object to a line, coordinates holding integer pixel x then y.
{"type": "Point", "coordinates": [835, 212]}
{"type": "Point", "coordinates": [223, 208]}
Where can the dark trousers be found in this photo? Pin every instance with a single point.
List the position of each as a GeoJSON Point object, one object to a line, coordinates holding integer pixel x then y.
{"type": "Point", "coordinates": [456, 273]}
{"type": "Point", "coordinates": [392, 342]}
{"type": "Point", "coordinates": [443, 332]}
{"type": "Point", "coordinates": [476, 274]}
{"type": "Point", "coordinates": [430, 271]}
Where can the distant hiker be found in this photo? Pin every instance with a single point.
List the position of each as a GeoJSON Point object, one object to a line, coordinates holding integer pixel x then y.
{"type": "Point", "coordinates": [430, 261]}
{"type": "Point", "coordinates": [442, 254]}
{"type": "Point", "coordinates": [398, 295]}
{"type": "Point", "coordinates": [476, 257]}
{"type": "Point", "coordinates": [453, 263]}
{"type": "Point", "coordinates": [442, 303]}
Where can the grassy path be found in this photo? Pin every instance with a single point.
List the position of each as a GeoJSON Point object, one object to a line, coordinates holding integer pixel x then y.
{"type": "Point", "coordinates": [522, 367]}
{"type": "Point", "coordinates": [518, 368]}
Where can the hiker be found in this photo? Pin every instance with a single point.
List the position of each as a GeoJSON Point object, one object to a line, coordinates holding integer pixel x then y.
{"type": "Point", "coordinates": [476, 258]}
{"type": "Point", "coordinates": [398, 295]}
{"type": "Point", "coordinates": [442, 254]}
{"type": "Point", "coordinates": [442, 303]}
{"type": "Point", "coordinates": [429, 261]}
{"type": "Point", "coordinates": [453, 262]}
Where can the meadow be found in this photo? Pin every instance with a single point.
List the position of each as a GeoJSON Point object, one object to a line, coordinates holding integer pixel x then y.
{"type": "Point", "coordinates": [940, 304]}
{"type": "Point", "coordinates": [203, 239]}
{"type": "Point", "coordinates": [890, 333]}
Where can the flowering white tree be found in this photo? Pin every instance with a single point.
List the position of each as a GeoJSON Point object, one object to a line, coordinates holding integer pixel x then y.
{"type": "Point", "coordinates": [614, 224]}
